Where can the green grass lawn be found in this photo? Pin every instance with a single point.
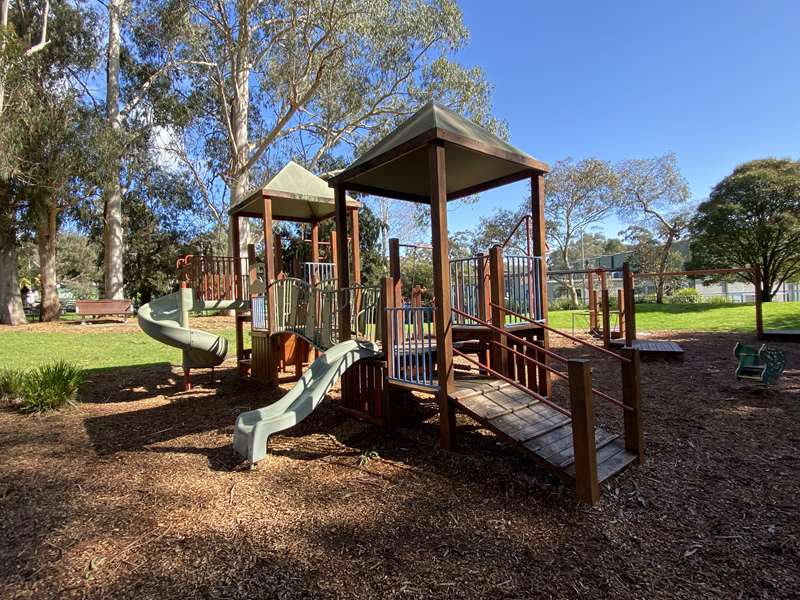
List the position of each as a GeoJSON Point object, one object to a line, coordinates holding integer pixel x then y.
{"type": "Point", "coordinates": [90, 350]}
{"type": "Point", "coordinates": [104, 349]}
{"type": "Point", "coordinates": [696, 317]}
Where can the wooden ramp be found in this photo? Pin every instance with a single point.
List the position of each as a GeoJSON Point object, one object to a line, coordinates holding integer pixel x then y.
{"type": "Point", "coordinates": [654, 349]}
{"type": "Point", "coordinates": [534, 427]}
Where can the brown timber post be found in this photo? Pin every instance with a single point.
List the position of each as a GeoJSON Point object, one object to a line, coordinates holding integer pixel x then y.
{"type": "Point", "coordinates": [632, 398]}
{"type": "Point", "coordinates": [386, 337]}
{"type": "Point", "coordinates": [356, 231]}
{"type": "Point", "coordinates": [592, 303]}
{"type": "Point", "coordinates": [333, 249]}
{"type": "Point", "coordinates": [484, 295]}
{"type": "Point", "coordinates": [237, 273]}
{"type": "Point", "coordinates": [252, 271]}
{"type": "Point", "coordinates": [269, 275]}
{"type": "Point", "coordinates": [278, 255]}
{"type": "Point", "coordinates": [441, 286]}
{"type": "Point", "coordinates": [499, 357]}
{"type": "Point", "coordinates": [587, 489]}
{"type": "Point", "coordinates": [630, 308]}
{"type": "Point", "coordinates": [394, 270]}
{"type": "Point", "coordinates": [342, 266]}
{"type": "Point", "coordinates": [621, 312]}
{"type": "Point", "coordinates": [759, 308]}
{"type": "Point", "coordinates": [540, 249]}
{"type": "Point", "coordinates": [606, 319]}
{"type": "Point", "coordinates": [315, 242]}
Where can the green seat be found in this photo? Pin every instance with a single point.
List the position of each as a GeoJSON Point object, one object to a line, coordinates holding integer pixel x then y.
{"type": "Point", "coordinates": [764, 364]}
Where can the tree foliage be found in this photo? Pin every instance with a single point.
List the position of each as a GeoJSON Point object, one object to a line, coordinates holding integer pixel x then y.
{"type": "Point", "coordinates": [752, 219]}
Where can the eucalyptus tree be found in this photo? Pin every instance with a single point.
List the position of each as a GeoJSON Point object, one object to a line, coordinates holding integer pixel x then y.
{"type": "Point", "coordinates": [579, 195]}
{"type": "Point", "coordinates": [39, 119]}
{"type": "Point", "coordinates": [654, 196]}
{"type": "Point", "coordinates": [315, 80]}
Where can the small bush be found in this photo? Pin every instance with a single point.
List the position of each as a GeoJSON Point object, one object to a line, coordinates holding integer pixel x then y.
{"type": "Point", "coordinates": [685, 296]}
{"type": "Point", "coordinates": [562, 304]}
{"type": "Point", "coordinates": [48, 387]}
{"type": "Point", "coordinates": [718, 300]}
{"type": "Point", "coordinates": [12, 382]}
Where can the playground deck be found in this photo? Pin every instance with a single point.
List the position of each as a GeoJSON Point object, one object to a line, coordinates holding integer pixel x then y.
{"type": "Point", "coordinates": [540, 431]}
{"type": "Point", "coordinates": [782, 335]}
{"type": "Point", "coordinates": [654, 349]}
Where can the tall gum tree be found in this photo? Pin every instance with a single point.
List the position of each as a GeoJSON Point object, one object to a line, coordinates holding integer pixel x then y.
{"type": "Point", "coordinates": [309, 80]}
{"type": "Point", "coordinates": [654, 196]}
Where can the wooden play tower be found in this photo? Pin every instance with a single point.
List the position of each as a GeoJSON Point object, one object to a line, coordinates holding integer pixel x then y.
{"type": "Point", "coordinates": [481, 346]}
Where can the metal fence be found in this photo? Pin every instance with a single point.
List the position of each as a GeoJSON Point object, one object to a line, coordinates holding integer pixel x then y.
{"type": "Point", "coordinates": [317, 272]}
{"type": "Point", "coordinates": [523, 286]}
{"type": "Point", "coordinates": [411, 357]}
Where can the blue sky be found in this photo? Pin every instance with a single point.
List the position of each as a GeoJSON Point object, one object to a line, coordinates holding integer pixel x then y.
{"type": "Point", "coordinates": [716, 82]}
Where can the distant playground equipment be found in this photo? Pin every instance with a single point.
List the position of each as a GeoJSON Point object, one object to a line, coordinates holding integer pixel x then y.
{"type": "Point", "coordinates": [487, 314]}
{"type": "Point", "coordinates": [601, 315]}
{"type": "Point", "coordinates": [764, 364]}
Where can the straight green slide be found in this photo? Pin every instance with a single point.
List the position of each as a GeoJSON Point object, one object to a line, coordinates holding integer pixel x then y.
{"type": "Point", "coordinates": [166, 320]}
{"type": "Point", "coordinates": [253, 428]}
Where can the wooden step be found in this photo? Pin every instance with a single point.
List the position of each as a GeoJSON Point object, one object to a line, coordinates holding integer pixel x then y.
{"type": "Point", "coordinates": [535, 427]}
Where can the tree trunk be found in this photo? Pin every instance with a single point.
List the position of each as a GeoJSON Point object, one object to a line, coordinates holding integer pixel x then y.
{"type": "Point", "coordinates": [46, 232]}
{"type": "Point", "coordinates": [11, 310]}
{"type": "Point", "coordinates": [112, 189]}
{"type": "Point", "coordinates": [662, 267]}
{"type": "Point", "coordinates": [239, 120]}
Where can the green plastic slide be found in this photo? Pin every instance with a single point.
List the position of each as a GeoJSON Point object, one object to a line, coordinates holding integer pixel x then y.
{"type": "Point", "coordinates": [166, 320]}
{"type": "Point", "coordinates": [253, 428]}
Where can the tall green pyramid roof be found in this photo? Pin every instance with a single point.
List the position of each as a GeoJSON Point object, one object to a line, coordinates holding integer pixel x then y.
{"type": "Point", "coordinates": [296, 194]}
{"type": "Point", "coordinates": [475, 157]}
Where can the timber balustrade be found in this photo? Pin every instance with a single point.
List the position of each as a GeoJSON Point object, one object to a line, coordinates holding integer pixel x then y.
{"type": "Point", "coordinates": [215, 277]}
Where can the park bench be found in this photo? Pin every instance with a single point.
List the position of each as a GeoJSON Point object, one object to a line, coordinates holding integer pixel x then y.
{"type": "Point", "coordinates": [102, 308]}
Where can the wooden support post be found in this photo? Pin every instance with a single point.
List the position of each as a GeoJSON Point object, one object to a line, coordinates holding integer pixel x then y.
{"type": "Point", "coordinates": [630, 307]}
{"type": "Point", "coordinates": [540, 249]}
{"type": "Point", "coordinates": [237, 274]}
{"type": "Point", "coordinates": [315, 242]}
{"type": "Point", "coordinates": [386, 336]}
{"type": "Point", "coordinates": [269, 276]}
{"type": "Point", "coordinates": [499, 357]}
{"type": "Point", "coordinates": [759, 308]}
{"type": "Point", "coordinates": [587, 489]}
{"type": "Point", "coordinates": [278, 255]}
{"type": "Point", "coordinates": [356, 235]}
{"type": "Point", "coordinates": [394, 270]}
{"type": "Point", "coordinates": [342, 267]}
{"type": "Point", "coordinates": [621, 312]}
{"type": "Point", "coordinates": [632, 397]}
{"type": "Point", "coordinates": [252, 271]}
{"type": "Point", "coordinates": [606, 319]}
{"type": "Point", "coordinates": [441, 287]}
{"type": "Point", "coordinates": [592, 303]}
{"type": "Point", "coordinates": [333, 248]}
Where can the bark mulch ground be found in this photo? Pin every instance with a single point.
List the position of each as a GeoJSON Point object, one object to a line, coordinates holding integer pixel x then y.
{"type": "Point", "coordinates": [136, 493]}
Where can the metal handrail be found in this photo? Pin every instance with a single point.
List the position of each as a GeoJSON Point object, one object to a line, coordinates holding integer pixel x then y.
{"type": "Point", "coordinates": [512, 382]}
{"type": "Point", "coordinates": [524, 218]}
{"type": "Point", "coordinates": [566, 335]}
{"type": "Point", "coordinates": [548, 353]}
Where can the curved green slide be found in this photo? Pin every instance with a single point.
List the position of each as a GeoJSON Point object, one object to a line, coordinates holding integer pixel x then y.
{"type": "Point", "coordinates": [166, 320]}
{"type": "Point", "coordinates": [253, 428]}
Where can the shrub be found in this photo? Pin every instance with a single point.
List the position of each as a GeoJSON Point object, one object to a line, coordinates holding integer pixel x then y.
{"type": "Point", "coordinates": [562, 304]}
{"type": "Point", "coordinates": [685, 296]}
{"type": "Point", "coordinates": [48, 387]}
{"type": "Point", "coordinates": [12, 382]}
{"type": "Point", "coordinates": [718, 300]}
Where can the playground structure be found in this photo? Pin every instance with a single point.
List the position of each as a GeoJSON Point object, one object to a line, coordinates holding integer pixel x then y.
{"type": "Point", "coordinates": [601, 315]}
{"type": "Point", "coordinates": [764, 364]}
{"type": "Point", "coordinates": [481, 346]}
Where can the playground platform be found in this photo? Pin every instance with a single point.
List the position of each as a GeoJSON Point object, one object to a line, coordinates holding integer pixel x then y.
{"type": "Point", "coordinates": [654, 349]}
{"type": "Point", "coordinates": [536, 428]}
{"type": "Point", "coordinates": [782, 335]}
